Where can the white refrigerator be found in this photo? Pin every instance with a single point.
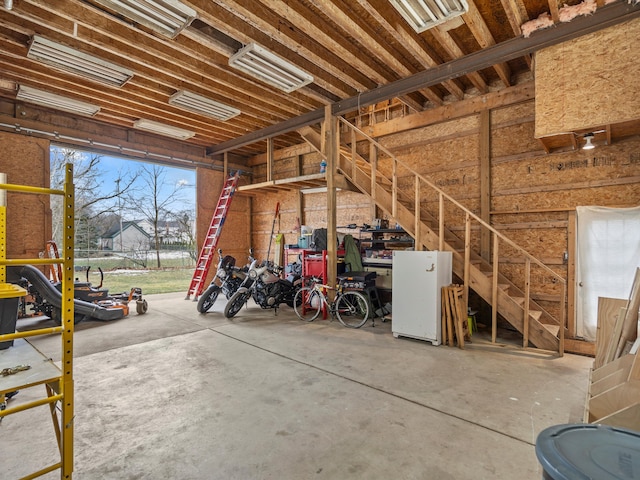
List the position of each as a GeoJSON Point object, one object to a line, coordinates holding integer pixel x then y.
{"type": "Point", "coordinates": [418, 278]}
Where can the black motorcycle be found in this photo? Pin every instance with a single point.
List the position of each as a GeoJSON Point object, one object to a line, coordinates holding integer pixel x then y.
{"type": "Point", "coordinates": [230, 279]}
{"type": "Point", "coordinates": [268, 289]}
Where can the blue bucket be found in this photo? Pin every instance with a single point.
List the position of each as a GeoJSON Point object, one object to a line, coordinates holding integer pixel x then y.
{"type": "Point", "coordinates": [585, 451]}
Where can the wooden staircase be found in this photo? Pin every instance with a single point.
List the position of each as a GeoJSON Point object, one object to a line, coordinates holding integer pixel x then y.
{"type": "Point", "coordinates": [430, 215]}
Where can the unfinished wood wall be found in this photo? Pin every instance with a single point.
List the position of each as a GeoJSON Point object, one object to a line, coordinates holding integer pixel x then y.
{"type": "Point", "coordinates": [352, 208]}
{"type": "Point", "coordinates": [235, 237]}
{"type": "Point", "coordinates": [580, 84]}
{"type": "Point", "coordinates": [25, 160]}
{"type": "Point", "coordinates": [532, 193]}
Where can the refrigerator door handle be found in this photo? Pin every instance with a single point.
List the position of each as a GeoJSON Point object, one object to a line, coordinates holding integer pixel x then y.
{"type": "Point", "coordinates": [433, 267]}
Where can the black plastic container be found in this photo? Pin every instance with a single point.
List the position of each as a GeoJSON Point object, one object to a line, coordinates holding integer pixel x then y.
{"type": "Point", "coordinates": [8, 319]}
{"type": "Point", "coordinates": [585, 451]}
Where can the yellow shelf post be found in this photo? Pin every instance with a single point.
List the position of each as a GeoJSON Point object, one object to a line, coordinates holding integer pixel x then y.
{"type": "Point", "coordinates": [58, 381]}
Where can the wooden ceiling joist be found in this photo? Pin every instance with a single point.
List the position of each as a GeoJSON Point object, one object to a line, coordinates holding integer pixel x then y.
{"type": "Point", "coordinates": [359, 52]}
{"type": "Point", "coordinates": [610, 15]}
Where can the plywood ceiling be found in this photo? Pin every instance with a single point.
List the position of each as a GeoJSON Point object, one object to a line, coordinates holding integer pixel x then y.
{"type": "Point", "coordinates": [348, 46]}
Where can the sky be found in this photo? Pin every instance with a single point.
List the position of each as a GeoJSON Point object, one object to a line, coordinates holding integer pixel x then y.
{"type": "Point", "coordinates": [111, 167]}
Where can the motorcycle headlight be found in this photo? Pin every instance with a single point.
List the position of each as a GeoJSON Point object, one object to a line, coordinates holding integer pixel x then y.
{"type": "Point", "coordinates": [253, 274]}
{"type": "Point", "coordinates": [222, 273]}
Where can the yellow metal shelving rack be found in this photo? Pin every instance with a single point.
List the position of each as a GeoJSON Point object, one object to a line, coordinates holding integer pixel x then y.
{"type": "Point", "coordinates": [58, 381]}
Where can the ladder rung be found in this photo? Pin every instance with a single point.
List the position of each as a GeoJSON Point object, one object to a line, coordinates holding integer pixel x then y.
{"type": "Point", "coordinates": [213, 234]}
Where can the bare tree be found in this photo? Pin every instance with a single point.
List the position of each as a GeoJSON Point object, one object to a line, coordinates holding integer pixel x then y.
{"type": "Point", "coordinates": [92, 199]}
{"type": "Point", "coordinates": [186, 231]}
{"type": "Point", "coordinates": [156, 200]}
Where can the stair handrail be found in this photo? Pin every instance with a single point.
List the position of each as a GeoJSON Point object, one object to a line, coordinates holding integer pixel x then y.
{"type": "Point", "coordinates": [452, 200]}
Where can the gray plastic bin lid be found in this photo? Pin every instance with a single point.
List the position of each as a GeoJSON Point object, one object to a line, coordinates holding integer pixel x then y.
{"type": "Point", "coordinates": [586, 452]}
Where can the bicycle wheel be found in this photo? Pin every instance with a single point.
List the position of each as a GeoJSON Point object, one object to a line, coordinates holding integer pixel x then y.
{"type": "Point", "coordinates": [352, 309]}
{"type": "Point", "coordinates": [307, 304]}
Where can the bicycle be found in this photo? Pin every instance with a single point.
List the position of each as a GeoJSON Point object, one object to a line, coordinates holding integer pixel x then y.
{"type": "Point", "coordinates": [351, 308]}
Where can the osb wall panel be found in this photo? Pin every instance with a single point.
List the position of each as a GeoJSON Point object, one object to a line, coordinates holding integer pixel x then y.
{"type": "Point", "coordinates": [579, 84]}
{"type": "Point", "coordinates": [262, 221]}
{"type": "Point", "coordinates": [427, 134]}
{"type": "Point", "coordinates": [352, 207]}
{"type": "Point", "coordinates": [25, 160]}
{"type": "Point", "coordinates": [442, 155]}
{"type": "Point", "coordinates": [546, 244]}
{"type": "Point", "coordinates": [311, 163]}
{"type": "Point", "coordinates": [514, 139]}
{"type": "Point", "coordinates": [517, 112]}
{"type": "Point", "coordinates": [447, 155]}
{"type": "Point", "coordinates": [605, 176]}
{"type": "Point", "coordinates": [524, 178]}
{"type": "Point", "coordinates": [288, 167]}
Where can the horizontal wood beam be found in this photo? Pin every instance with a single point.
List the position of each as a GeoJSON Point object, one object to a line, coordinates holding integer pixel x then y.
{"type": "Point", "coordinates": [92, 136]}
{"type": "Point", "coordinates": [607, 16]}
{"type": "Point", "coordinates": [507, 96]}
{"type": "Point", "coordinates": [570, 186]}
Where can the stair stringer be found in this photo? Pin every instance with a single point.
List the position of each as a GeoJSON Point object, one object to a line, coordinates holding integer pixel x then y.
{"type": "Point", "coordinates": [479, 282]}
{"type": "Point", "coordinates": [353, 168]}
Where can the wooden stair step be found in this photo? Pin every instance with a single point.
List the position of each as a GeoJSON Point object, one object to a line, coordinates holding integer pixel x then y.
{"type": "Point", "coordinates": [554, 329]}
{"type": "Point", "coordinates": [535, 314]}
{"type": "Point", "coordinates": [454, 243]}
{"type": "Point", "coordinates": [503, 286]}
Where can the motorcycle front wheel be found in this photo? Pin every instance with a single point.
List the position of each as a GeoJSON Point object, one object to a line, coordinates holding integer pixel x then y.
{"type": "Point", "coordinates": [235, 303]}
{"type": "Point", "coordinates": [208, 298]}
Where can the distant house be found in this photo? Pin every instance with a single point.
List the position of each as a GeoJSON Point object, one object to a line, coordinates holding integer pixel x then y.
{"type": "Point", "coordinates": [169, 231]}
{"type": "Point", "coordinates": [132, 237]}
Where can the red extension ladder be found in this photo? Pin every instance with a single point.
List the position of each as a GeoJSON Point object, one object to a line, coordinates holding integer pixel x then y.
{"type": "Point", "coordinates": [213, 234]}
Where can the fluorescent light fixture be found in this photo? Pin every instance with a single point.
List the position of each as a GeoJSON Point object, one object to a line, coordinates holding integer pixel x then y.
{"type": "Point", "coordinates": [203, 105]}
{"type": "Point", "coordinates": [270, 68]}
{"type": "Point", "coordinates": [167, 17]}
{"type": "Point", "coordinates": [425, 14]}
{"type": "Point", "coordinates": [70, 60]}
{"type": "Point", "coordinates": [588, 138]}
{"type": "Point", "coordinates": [163, 129]}
{"type": "Point", "coordinates": [55, 101]}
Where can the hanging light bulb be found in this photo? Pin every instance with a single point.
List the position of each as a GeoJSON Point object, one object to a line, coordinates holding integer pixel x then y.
{"type": "Point", "coordinates": [587, 142]}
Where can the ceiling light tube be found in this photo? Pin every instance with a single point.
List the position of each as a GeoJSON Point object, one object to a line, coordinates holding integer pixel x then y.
{"type": "Point", "coordinates": [203, 105]}
{"type": "Point", "coordinates": [70, 60]}
{"type": "Point", "coordinates": [163, 129]}
{"type": "Point", "coordinates": [425, 14]}
{"type": "Point", "coordinates": [55, 101]}
{"type": "Point", "coordinates": [270, 68]}
{"type": "Point", "coordinates": [167, 17]}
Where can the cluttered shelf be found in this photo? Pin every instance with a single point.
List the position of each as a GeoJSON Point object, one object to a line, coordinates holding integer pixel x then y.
{"type": "Point", "coordinates": [376, 247]}
{"type": "Point", "coordinates": [378, 244]}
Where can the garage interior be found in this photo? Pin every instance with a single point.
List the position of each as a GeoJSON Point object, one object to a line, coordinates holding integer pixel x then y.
{"type": "Point", "coordinates": [467, 128]}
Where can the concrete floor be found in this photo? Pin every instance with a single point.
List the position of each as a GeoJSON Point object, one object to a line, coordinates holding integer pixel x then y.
{"type": "Point", "coordinates": [178, 395]}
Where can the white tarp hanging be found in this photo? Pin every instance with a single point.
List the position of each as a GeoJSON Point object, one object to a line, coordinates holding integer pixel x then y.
{"type": "Point", "coordinates": [608, 253]}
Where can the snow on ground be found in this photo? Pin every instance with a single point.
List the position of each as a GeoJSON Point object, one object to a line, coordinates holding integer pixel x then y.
{"type": "Point", "coordinates": [124, 271]}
